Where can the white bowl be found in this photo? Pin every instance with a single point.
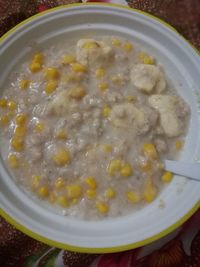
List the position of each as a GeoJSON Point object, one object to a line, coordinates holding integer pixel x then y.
{"type": "Point", "coordinates": [181, 62]}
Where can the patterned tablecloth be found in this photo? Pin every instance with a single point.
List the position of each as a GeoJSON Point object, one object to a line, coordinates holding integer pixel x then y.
{"type": "Point", "coordinates": [180, 248]}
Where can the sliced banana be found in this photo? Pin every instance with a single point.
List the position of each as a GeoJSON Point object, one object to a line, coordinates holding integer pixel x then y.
{"type": "Point", "coordinates": [166, 106]}
{"type": "Point", "coordinates": [147, 78]}
{"type": "Point", "coordinates": [124, 115]}
{"type": "Point", "coordinates": [90, 51]}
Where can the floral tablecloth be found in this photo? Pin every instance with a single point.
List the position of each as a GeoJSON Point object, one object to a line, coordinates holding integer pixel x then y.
{"type": "Point", "coordinates": [181, 248]}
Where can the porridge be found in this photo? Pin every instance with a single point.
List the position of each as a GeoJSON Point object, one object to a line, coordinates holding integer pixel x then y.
{"type": "Point", "coordinates": [85, 127]}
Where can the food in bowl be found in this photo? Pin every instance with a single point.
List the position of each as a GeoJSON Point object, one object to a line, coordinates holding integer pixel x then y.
{"type": "Point", "coordinates": [86, 126]}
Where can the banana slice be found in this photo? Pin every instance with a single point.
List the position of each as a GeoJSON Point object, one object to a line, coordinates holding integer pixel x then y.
{"type": "Point", "coordinates": [124, 115]}
{"type": "Point", "coordinates": [90, 51]}
{"type": "Point", "coordinates": [147, 78]}
{"type": "Point", "coordinates": [166, 106]}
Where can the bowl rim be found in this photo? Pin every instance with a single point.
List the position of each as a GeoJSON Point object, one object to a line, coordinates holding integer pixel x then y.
{"type": "Point", "coordinates": [69, 247]}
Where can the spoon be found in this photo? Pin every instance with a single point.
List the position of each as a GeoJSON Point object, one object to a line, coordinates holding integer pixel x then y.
{"type": "Point", "coordinates": [190, 170]}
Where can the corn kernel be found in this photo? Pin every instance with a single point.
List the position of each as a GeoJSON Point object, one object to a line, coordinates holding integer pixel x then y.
{"type": "Point", "coordinates": [4, 120]}
{"type": "Point", "coordinates": [106, 111]}
{"type": "Point", "coordinates": [62, 157]}
{"type": "Point", "coordinates": [74, 191]}
{"type": "Point", "coordinates": [110, 193]}
{"type": "Point", "coordinates": [114, 166]}
{"type": "Point", "coordinates": [24, 84]}
{"type": "Point", "coordinates": [133, 197]}
{"type": "Point", "coordinates": [17, 143]}
{"type": "Point", "coordinates": [150, 150]}
{"type": "Point", "coordinates": [74, 201]}
{"type": "Point", "coordinates": [179, 144]}
{"type": "Point", "coordinates": [167, 177]}
{"type": "Point", "coordinates": [103, 86]}
{"type": "Point", "coordinates": [63, 202]}
{"type": "Point", "coordinates": [91, 193]}
{"type": "Point", "coordinates": [150, 191]}
{"type": "Point", "coordinates": [50, 87]}
{"type": "Point", "coordinates": [91, 182]}
{"type": "Point", "coordinates": [59, 183]}
{"type": "Point", "coordinates": [52, 197]}
{"type": "Point", "coordinates": [128, 47]}
{"type": "Point", "coordinates": [12, 105]}
{"type": "Point", "coordinates": [35, 181]}
{"type": "Point", "coordinates": [117, 79]}
{"type": "Point", "coordinates": [20, 131]}
{"type": "Point", "coordinates": [21, 119]}
{"type": "Point", "coordinates": [90, 45]}
{"type": "Point", "coordinates": [145, 58]}
{"type": "Point", "coordinates": [35, 67]}
{"type": "Point", "coordinates": [126, 170]}
{"type": "Point", "coordinates": [61, 134]}
{"type": "Point", "coordinates": [107, 148]}
{"type": "Point", "coordinates": [3, 103]}
{"type": "Point", "coordinates": [100, 73]}
{"type": "Point", "coordinates": [39, 58]}
{"type": "Point", "coordinates": [145, 166]}
{"type": "Point", "coordinates": [77, 67]}
{"type": "Point", "coordinates": [43, 191]}
{"type": "Point", "coordinates": [131, 98]}
{"type": "Point", "coordinates": [102, 207]}
{"type": "Point", "coordinates": [116, 42]}
{"type": "Point", "coordinates": [68, 59]}
{"type": "Point", "coordinates": [77, 93]}
{"type": "Point", "coordinates": [51, 73]}
{"type": "Point", "coordinates": [39, 127]}
{"type": "Point", "coordinates": [13, 161]}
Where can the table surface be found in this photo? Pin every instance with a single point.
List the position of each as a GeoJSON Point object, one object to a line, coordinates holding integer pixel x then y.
{"type": "Point", "coordinates": [180, 248]}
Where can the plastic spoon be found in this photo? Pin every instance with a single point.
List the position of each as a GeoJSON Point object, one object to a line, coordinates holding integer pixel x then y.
{"type": "Point", "coordinates": [190, 170]}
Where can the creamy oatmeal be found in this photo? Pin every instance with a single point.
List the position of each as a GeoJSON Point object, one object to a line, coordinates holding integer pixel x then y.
{"type": "Point", "coordinates": [85, 127]}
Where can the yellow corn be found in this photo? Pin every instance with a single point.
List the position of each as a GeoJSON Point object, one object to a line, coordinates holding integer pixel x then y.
{"type": "Point", "coordinates": [39, 127]}
{"type": "Point", "coordinates": [13, 161]}
{"type": "Point", "coordinates": [50, 87]}
{"type": "Point", "coordinates": [35, 181]}
{"type": "Point", "coordinates": [17, 143]}
{"type": "Point", "coordinates": [73, 191]}
{"type": "Point", "coordinates": [107, 148]}
{"type": "Point", "coordinates": [179, 144]}
{"type": "Point", "coordinates": [68, 59]}
{"type": "Point", "coordinates": [167, 177]}
{"type": "Point", "coordinates": [150, 150]}
{"type": "Point", "coordinates": [102, 207]}
{"type": "Point", "coordinates": [20, 131]}
{"type": "Point", "coordinates": [59, 183]}
{"type": "Point", "coordinates": [61, 134]}
{"type": "Point", "coordinates": [110, 193]}
{"type": "Point", "coordinates": [77, 93]}
{"type": "Point", "coordinates": [100, 73]}
{"type": "Point", "coordinates": [63, 202]}
{"type": "Point", "coordinates": [131, 98]}
{"type": "Point", "coordinates": [90, 45]}
{"type": "Point", "coordinates": [126, 170]}
{"type": "Point", "coordinates": [91, 182]}
{"type": "Point", "coordinates": [43, 191]}
{"type": "Point", "coordinates": [116, 42]}
{"type": "Point", "coordinates": [52, 197]}
{"type": "Point", "coordinates": [39, 58]}
{"type": "Point", "coordinates": [150, 191]}
{"type": "Point", "coordinates": [51, 73]}
{"type": "Point", "coordinates": [91, 193]}
{"type": "Point", "coordinates": [77, 67]}
{"type": "Point", "coordinates": [145, 166]}
{"type": "Point", "coordinates": [35, 67]}
{"type": "Point", "coordinates": [4, 120]}
{"type": "Point", "coordinates": [21, 119]}
{"type": "Point", "coordinates": [62, 157]}
{"type": "Point", "coordinates": [3, 103]}
{"type": "Point", "coordinates": [24, 84]}
{"type": "Point", "coordinates": [117, 79]}
{"type": "Point", "coordinates": [12, 105]}
{"type": "Point", "coordinates": [114, 167]}
{"type": "Point", "coordinates": [133, 197]}
{"type": "Point", "coordinates": [145, 58]}
{"type": "Point", "coordinates": [106, 111]}
{"type": "Point", "coordinates": [128, 47]}
{"type": "Point", "coordinates": [103, 86]}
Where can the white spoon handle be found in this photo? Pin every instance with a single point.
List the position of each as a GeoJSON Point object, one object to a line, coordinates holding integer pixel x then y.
{"type": "Point", "coordinates": [190, 170]}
